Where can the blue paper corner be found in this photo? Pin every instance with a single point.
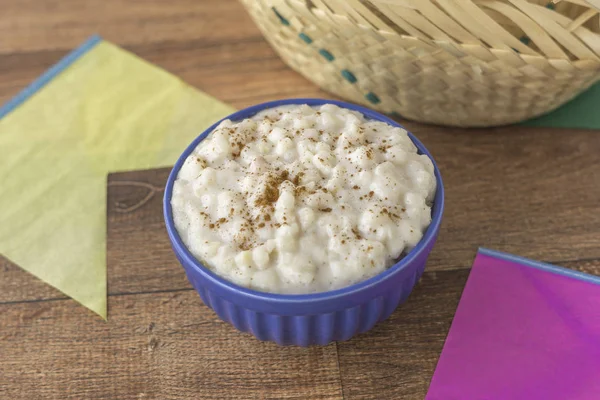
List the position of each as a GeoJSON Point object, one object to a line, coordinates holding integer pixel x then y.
{"type": "Point", "coordinates": [50, 74]}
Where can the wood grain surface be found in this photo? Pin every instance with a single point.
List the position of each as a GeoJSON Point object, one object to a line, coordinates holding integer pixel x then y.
{"type": "Point", "coordinates": [530, 191]}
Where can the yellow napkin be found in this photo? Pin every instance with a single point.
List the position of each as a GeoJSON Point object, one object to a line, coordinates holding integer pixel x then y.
{"type": "Point", "coordinates": [99, 110]}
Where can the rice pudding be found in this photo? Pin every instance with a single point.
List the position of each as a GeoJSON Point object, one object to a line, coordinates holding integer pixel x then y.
{"type": "Point", "coordinates": [301, 199]}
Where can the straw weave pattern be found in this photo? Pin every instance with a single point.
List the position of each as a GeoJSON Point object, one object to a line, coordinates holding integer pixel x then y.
{"type": "Point", "coordinates": [462, 63]}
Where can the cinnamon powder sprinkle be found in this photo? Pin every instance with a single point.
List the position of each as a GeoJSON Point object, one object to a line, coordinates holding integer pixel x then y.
{"type": "Point", "coordinates": [297, 178]}
{"type": "Point", "coordinates": [262, 182]}
{"type": "Point", "coordinates": [271, 193]}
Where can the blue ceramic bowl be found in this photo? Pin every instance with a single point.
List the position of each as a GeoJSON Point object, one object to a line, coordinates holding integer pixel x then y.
{"type": "Point", "coordinates": [306, 319]}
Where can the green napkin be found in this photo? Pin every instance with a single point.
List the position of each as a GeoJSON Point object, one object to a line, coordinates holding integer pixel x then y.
{"type": "Point", "coordinates": [582, 112]}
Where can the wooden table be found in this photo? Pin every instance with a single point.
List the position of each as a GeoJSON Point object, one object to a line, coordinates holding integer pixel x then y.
{"type": "Point", "coordinates": [533, 192]}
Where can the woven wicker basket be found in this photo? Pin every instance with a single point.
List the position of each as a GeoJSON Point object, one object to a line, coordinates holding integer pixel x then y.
{"type": "Point", "coordinates": [448, 62]}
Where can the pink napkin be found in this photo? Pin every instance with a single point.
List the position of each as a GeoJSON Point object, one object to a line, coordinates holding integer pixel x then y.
{"type": "Point", "coordinates": [523, 330]}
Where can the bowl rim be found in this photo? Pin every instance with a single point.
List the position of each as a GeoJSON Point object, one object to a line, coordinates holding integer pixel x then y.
{"type": "Point", "coordinates": [186, 257]}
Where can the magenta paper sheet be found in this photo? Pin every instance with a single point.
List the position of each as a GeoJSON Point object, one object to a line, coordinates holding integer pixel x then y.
{"type": "Point", "coordinates": [523, 330]}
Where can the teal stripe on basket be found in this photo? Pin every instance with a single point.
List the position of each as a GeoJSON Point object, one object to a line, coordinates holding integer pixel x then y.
{"type": "Point", "coordinates": [551, 6]}
{"type": "Point", "coordinates": [349, 76]}
{"type": "Point", "coordinates": [372, 97]}
{"type": "Point", "coordinates": [327, 55]}
{"type": "Point", "coordinates": [346, 74]}
{"type": "Point", "coordinates": [281, 18]}
{"type": "Point", "coordinates": [525, 39]}
{"type": "Point", "coordinates": [305, 38]}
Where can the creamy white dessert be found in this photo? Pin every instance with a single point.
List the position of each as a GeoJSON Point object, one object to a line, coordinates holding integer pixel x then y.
{"type": "Point", "coordinates": [300, 199]}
